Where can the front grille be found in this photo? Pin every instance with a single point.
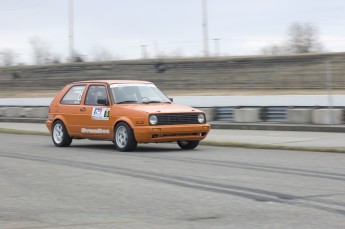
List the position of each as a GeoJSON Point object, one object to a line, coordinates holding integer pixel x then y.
{"type": "Point", "coordinates": [171, 119]}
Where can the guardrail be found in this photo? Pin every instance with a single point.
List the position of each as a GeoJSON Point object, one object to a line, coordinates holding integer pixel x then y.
{"type": "Point", "coordinates": [224, 113]}
{"type": "Point", "coordinates": [273, 114]}
{"type": "Point", "coordinates": [220, 101]}
{"type": "Point", "coordinates": [293, 115]}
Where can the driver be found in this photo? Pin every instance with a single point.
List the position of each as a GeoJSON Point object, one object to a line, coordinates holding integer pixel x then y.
{"type": "Point", "coordinates": [128, 94]}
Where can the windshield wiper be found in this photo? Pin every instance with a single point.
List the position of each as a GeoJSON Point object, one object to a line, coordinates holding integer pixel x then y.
{"type": "Point", "coordinates": [154, 101]}
{"type": "Point", "coordinates": [127, 101]}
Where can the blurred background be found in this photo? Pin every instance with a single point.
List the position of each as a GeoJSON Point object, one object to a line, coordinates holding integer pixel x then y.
{"type": "Point", "coordinates": [194, 47]}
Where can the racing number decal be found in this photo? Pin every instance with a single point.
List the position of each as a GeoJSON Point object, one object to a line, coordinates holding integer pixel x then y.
{"type": "Point", "coordinates": [106, 113]}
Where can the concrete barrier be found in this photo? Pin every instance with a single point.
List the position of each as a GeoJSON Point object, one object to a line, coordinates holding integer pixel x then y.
{"type": "Point", "coordinates": [210, 113]}
{"type": "Point", "coordinates": [299, 116]}
{"type": "Point", "coordinates": [328, 116]}
{"type": "Point", "coordinates": [37, 112]}
{"type": "Point", "coordinates": [247, 115]}
{"type": "Point", "coordinates": [13, 112]}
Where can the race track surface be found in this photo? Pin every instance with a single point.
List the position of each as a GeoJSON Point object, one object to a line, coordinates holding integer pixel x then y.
{"type": "Point", "coordinates": [91, 185]}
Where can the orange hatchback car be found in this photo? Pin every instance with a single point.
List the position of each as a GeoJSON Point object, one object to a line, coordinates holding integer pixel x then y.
{"type": "Point", "coordinates": [125, 112]}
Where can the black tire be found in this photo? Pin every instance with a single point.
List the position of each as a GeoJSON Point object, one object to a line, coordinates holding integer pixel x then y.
{"type": "Point", "coordinates": [186, 145]}
{"type": "Point", "coordinates": [124, 139]}
{"type": "Point", "coordinates": [60, 135]}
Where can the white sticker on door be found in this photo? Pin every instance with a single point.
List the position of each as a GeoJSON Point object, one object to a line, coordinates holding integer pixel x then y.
{"type": "Point", "coordinates": [100, 113]}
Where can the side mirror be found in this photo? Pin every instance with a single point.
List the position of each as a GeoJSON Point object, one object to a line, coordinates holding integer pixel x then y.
{"type": "Point", "coordinates": [102, 101]}
{"type": "Point", "coordinates": [171, 99]}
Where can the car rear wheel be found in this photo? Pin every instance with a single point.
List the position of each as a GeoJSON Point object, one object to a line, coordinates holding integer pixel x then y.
{"type": "Point", "coordinates": [188, 144]}
{"type": "Point", "coordinates": [124, 137]}
{"type": "Point", "coordinates": [60, 135]}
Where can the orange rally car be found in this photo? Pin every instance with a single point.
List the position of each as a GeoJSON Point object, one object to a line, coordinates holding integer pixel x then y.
{"type": "Point", "coordinates": [125, 112]}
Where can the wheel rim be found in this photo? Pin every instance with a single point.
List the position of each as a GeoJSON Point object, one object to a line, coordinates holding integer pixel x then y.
{"type": "Point", "coordinates": [121, 136]}
{"type": "Point", "coordinates": [58, 133]}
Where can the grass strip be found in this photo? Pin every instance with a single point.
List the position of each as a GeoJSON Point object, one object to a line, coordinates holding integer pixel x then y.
{"type": "Point", "coordinates": [23, 132]}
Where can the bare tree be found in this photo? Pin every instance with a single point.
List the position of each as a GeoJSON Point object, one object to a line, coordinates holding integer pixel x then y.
{"type": "Point", "coordinates": [101, 54]}
{"type": "Point", "coordinates": [274, 50]}
{"type": "Point", "coordinates": [177, 53]}
{"type": "Point", "coordinates": [303, 38]}
{"type": "Point", "coordinates": [56, 59]}
{"type": "Point", "coordinates": [8, 57]}
{"type": "Point", "coordinates": [78, 57]}
{"type": "Point", "coordinates": [40, 50]}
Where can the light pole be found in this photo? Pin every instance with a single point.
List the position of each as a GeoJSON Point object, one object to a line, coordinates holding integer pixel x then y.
{"type": "Point", "coordinates": [71, 31]}
{"type": "Point", "coordinates": [216, 47]}
{"type": "Point", "coordinates": [329, 84]}
{"type": "Point", "coordinates": [156, 50]}
{"type": "Point", "coordinates": [204, 26]}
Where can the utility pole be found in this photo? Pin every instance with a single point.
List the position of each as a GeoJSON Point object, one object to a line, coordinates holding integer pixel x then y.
{"type": "Point", "coordinates": [216, 47]}
{"type": "Point", "coordinates": [71, 31]}
{"type": "Point", "coordinates": [204, 26]}
{"type": "Point", "coordinates": [143, 52]}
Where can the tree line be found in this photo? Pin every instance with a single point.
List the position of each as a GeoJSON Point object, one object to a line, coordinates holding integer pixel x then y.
{"type": "Point", "coordinates": [300, 38]}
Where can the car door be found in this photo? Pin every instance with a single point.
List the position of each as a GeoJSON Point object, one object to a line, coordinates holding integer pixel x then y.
{"type": "Point", "coordinates": [70, 106]}
{"type": "Point", "coordinates": [95, 113]}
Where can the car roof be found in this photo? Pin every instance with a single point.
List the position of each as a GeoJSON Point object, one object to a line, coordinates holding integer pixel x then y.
{"type": "Point", "coordinates": [113, 81]}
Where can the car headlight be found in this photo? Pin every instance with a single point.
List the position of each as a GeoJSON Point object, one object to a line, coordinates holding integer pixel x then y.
{"type": "Point", "coordinates": [153, 119]}
{"type": "Point", "coordinates": [201, 118]}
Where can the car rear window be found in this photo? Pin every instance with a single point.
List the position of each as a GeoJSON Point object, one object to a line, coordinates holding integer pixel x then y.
{"type": "Point", "coordinates": [74, 95]}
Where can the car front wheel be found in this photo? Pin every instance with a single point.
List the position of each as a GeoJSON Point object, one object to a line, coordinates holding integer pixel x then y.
{"type": "Point", "coordinates": [188, 144]}
{"type": "Point", "coordinates": [124, 138]}
{"type": "Point", "coordinates": [60, 135]}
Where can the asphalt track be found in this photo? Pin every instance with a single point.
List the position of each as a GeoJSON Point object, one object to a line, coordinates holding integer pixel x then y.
{"type": "Point", "coordinates": [91, 185]}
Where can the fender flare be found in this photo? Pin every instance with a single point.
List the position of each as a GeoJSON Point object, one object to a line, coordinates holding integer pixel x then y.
{"type": "Point", "coordinates": [63, 120]}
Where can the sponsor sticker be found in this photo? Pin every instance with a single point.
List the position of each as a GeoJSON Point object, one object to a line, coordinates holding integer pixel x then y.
{"type": "Point", "coordinates": [95, 131]}
{"type": "Point", "coordinates": [100, 113]}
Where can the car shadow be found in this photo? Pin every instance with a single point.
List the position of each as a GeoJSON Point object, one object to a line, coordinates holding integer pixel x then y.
{"type": "Point", "coordinates": [141, 148]}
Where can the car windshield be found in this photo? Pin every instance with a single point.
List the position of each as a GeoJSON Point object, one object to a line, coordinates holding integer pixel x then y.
{"type": "Point", "coordinates": [137, 93]}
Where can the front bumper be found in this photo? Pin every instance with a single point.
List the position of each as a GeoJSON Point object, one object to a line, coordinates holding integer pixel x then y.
{"type": "Point", "coordinates": [171, 133]}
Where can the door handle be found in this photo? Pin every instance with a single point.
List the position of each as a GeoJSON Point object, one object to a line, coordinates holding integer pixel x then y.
{"type": "Point", "coordinates": [83, 109]}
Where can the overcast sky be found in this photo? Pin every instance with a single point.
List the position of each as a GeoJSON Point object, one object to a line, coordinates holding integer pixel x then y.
{"type": "Point", "coordinates": [175, 26]}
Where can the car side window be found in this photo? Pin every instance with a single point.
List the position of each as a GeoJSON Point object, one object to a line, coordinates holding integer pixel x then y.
{"type": "Point", "coordinates": [74, 95]}
{"type": "Point", "coordinates": [94, 93]}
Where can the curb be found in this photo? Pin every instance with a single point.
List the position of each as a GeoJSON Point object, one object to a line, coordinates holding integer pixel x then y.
{"type": "Point", "coordinates": [278, 127]}
{"type": "Point", "coordinates": [23, 120]}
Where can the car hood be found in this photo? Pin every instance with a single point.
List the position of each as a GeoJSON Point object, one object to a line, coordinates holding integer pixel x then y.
{"type": "Point", "coordinates": [162, 108]}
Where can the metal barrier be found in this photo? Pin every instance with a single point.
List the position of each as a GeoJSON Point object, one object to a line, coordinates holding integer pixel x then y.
{"type": "Point", "coordinates": [225, 113]}
{"type": "Point", "coordinates": [273, 114]}
{"type": "Point", "coordinates": [268, 114]}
